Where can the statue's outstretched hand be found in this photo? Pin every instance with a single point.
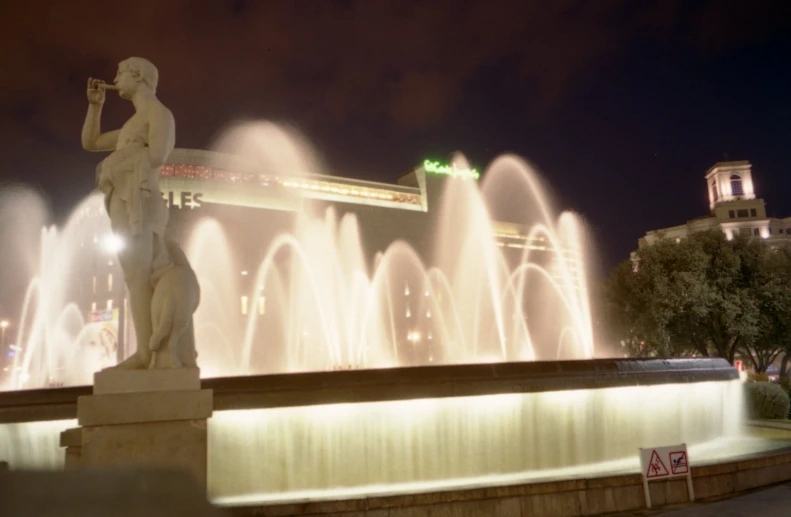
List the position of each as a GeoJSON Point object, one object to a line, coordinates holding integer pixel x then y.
{"type": "Point", "coordinates": [95, 92]}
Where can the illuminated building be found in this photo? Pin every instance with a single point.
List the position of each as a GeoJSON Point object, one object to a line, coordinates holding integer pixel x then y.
{"type": "Point", "coordinates": [733, 208]}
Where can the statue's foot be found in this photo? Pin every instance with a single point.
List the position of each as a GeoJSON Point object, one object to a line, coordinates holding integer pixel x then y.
{"type": "Point", "coordinates": [133, 362]}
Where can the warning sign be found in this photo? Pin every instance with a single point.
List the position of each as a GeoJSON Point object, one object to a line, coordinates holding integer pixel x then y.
{"type": "Point", "coordinates": [656, 469]}
{"type": "Point", "coordinates": [678, 462]}
{"type": "Point", "coordinates": [654, 465]}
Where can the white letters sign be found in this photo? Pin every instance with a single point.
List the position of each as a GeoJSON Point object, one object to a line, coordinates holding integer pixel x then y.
{"type": "Point", "coordinates": [665, 463]}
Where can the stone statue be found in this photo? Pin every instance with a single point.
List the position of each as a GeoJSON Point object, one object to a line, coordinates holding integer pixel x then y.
{"type": "Point", "coordinates": [163, 289]}
{"type": "Point", "coordinates": [176, 298]}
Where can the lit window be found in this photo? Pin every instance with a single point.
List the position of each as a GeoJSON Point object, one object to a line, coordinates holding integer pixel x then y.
{"type": "Point", "coordinates": [93, 306]}
{"type": "Point", "coordinates": [244, 305]}
{"type": "Point", "coordinates": [110, 305]}
{"type": "Point", "coordinates": [261, 305]}
{"type": "Point", "coordinates": [94, 285]}
{"type": "Point", "coordinates": [109, 281]}
{"type": "Point", "coordinates": [736, 185]}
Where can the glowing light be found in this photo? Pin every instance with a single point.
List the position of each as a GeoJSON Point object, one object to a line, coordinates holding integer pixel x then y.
{"type": "Point", "coordinates": [4, 324]}
{"type": "Point", "coordinates": [112, 243]}
{"type": "Point", "coordinates": [450, 170]}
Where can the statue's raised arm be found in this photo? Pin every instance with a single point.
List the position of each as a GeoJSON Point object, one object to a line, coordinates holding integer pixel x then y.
{"type": "Point", "coordinates": [92, 139]}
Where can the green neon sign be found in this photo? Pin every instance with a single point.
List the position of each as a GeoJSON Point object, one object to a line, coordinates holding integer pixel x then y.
{"type": "Point", "coordinates": [450, 170]}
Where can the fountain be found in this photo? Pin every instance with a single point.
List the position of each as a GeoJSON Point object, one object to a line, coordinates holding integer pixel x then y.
{"type": "Point", "coordinates": [321, 299]}
{"type": "Point", "coordinates": [461, 359]}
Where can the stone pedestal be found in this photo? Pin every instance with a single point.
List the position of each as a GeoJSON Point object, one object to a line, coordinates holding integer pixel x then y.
{"type": "Point", "coordinates": [150, 418]}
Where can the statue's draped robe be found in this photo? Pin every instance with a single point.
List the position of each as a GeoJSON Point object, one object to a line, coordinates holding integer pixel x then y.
{"type": "Point", "coordinates": [127, 174]}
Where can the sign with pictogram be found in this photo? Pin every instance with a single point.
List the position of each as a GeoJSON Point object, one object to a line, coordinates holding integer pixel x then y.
{"type": "Point", "coordinates": [665, 463]}
{"type": "Point", "coordinates": [678, 462]}
{"type": "Point", "coordinates": [655, 469]}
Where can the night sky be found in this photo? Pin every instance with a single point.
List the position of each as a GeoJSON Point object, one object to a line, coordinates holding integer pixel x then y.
{"type": "Point", "coordinates": [622, 105]}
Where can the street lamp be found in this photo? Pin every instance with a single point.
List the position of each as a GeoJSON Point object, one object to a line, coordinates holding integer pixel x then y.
{"type": "Point", "coordinates": [3, 326]}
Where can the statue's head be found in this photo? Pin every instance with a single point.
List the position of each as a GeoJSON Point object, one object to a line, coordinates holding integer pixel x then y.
{"type": "Point", "coordinates": [135, 73]}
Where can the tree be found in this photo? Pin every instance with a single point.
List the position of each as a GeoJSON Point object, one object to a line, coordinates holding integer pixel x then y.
{"type": "Point", "coordinates": [768, 274]}
{"type": "Point", "coordinates": [704, 295]}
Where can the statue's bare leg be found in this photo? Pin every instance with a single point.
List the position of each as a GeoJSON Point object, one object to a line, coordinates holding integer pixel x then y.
{"type": "Point", "coordinates": [135, 259]}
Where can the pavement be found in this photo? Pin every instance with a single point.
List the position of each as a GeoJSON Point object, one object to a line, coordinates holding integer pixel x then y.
{"type": "Point", "coordinates": [769, 502]}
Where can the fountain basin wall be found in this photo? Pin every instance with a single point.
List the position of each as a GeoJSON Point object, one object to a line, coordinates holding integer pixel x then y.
{"type": "Point", "coordinates": [344, 434]}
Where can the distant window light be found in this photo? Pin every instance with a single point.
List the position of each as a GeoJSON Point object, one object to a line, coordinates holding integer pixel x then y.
{"type": "Point", "coordinates": [753, 213]}
{"type": "Point", "coordinates": [736, 185]}
{"type": "Point", "coordinates": [109, 281]}
{"type": "Point", "coordinates": [110, 305]}
{"type": "Point", "coordinates": [93, 306]}
{"type": "Point", "coordinates": [94, 285]}
{"type": "Point", "coordinates": [244, 305]}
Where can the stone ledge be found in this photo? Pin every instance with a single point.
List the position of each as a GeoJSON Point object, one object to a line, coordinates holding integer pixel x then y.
{"type": "Point", "coordinates": [316, 388]}
{"type": "Point", "coordinates": [132, 408]}
{"type": "Point", "coordinates": [71, 437]}
{"type": "Point", "coordinates": [135, 381]}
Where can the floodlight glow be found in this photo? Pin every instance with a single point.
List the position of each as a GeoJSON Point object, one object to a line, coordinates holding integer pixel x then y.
{"type": "Point", "coordinates": [113, 243]}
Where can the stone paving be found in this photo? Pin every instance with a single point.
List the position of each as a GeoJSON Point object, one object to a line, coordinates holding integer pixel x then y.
{"type": "Point", "coordinates": [771, 502]}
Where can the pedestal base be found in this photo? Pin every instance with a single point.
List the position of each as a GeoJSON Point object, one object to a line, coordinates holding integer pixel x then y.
{"type": "Point", "coordinates": [152, 418]}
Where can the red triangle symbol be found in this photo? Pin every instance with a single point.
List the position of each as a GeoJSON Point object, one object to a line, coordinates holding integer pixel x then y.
{"type": "Point", "coordinates": [656, 469]}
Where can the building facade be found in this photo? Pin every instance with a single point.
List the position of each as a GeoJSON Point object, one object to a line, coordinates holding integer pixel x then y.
{"type": "Point", "coordinates": [733, 208]}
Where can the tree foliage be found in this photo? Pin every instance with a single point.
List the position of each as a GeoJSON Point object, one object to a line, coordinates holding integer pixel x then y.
{"type": "Point", "coordinates": [704, 296]}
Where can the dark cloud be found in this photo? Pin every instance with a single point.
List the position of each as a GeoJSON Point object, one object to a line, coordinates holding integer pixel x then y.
{"type": "Point", "coordinates": [394, 60]}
